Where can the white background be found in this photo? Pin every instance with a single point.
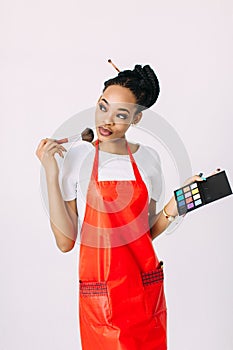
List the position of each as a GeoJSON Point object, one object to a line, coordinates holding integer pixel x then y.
{"type": "Point", "coordinates": [53, 65]}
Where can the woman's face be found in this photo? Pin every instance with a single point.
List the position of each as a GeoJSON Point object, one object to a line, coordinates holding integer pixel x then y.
{"type": "Point", "coordinates": [115, 111]}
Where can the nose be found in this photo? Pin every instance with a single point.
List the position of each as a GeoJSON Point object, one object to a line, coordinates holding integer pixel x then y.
{"type": "Point", "coordinates": [109, 119]}
{"type": "Point", "coordinates": [108, 122]}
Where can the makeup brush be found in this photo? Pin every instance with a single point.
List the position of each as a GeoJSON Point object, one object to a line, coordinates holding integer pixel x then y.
{"type": "Point", "coordinates": [86, 135]}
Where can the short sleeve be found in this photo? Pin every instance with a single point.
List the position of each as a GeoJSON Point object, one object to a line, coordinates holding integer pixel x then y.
{"type": "Point", "coordinates": [155, 174]}
{"type": "Point", "coordinates": [68, 176]}
{"type": "Point", "coordinates": [74, 160]}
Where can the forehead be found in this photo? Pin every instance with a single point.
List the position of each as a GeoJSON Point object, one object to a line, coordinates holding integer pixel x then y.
{"type": "Point", "coordinates": [119, 94]}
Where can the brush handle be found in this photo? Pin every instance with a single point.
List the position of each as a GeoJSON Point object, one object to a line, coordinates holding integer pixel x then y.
{"type": "Point", "coordinates": [68, 139]}
{"type": "Point", "coordinates": [86, 135]}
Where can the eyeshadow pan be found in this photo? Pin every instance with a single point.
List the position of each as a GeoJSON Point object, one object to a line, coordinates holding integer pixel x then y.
{"type": "Point", "coordinates": [196, 196]}
{"type": "Point", "coordinates": [186, 189]}
{"type": "Point", "coordinates": [182, 210]}
{"type": "Point", "coordinates": [198, 202]}
{"type": "Point", "coordinates": [179, 192]}
{"type": "Point", "coordinates": [188, 200]}
{"type": "Point", "coordinates": [180, 198]}
{"type": "Point", "coordinates": [190, 205]}
{"type": "Point", "coordinates": [193, 185]}
{"type": "Point", "coordinates": [195, 191]}
{"type": "Point", "coordinates": [181, 203]}
{"type": "Point", "coordinates": [187, 194]}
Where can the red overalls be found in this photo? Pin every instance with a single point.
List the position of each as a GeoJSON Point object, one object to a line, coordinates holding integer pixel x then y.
{"type": "Point", "coordinates": [121, 303]}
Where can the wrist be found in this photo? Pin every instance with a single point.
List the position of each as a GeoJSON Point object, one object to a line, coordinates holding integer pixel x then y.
{"type": "Point", "coordinates": [171, 207]}
{"type": "Point", "coordinates": [168, 216]}
{"type": "Point", "coordinates": [170, 210]}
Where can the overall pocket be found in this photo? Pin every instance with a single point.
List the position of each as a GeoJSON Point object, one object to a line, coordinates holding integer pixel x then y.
{"type": "Point", "coordinates": [94, 305]}
{"type": "Point", "coordinates": [153, 282]}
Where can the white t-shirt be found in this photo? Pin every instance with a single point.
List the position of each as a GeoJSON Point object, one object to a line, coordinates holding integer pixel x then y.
{"type": "Point", "coordinates": [76, 171]}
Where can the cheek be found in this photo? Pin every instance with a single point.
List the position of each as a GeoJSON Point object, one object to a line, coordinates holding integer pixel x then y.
{"type": "Point", "coordinates": [99, 116]}
{"type": "Point", "coordinates": [123, 126]}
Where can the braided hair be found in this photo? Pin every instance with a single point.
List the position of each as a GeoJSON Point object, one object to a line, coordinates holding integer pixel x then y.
{"type": "Point", "coordinates": [141, 81]}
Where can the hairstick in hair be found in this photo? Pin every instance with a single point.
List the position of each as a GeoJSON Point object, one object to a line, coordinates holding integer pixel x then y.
{"type": "Point", "coordinates": [110, 61]}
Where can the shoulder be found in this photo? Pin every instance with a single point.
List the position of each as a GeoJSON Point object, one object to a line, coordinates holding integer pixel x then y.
{"type": "Point", "coordinates": [76, 154]}
{"type": "Point", "coordinates": [148, 154]}
{"type": "Point", "coordinates": [79, 148]}
{"type": "Point", "coordinates": [134, 147]}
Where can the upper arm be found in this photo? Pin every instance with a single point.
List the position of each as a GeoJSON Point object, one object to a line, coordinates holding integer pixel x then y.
{"type": "Point", "coordinates": [72, 211]}
{"type": "Point", "coordinates": [152, 212]}
{"type": "Point", "coordinates": [153, 170]}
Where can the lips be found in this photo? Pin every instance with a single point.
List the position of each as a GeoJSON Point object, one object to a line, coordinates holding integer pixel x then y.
{"type": "Point", "coordinates": [104, 132]}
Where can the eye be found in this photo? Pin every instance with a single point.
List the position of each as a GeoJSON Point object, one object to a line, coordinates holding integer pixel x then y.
{"type": "Point", "coordinates": [122, 116]}
{"type": "Point", "coordinates": [102, 107]}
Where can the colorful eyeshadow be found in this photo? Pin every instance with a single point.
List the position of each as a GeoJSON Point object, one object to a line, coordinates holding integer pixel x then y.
{"type": "Point", "coordinates": [198, 202]}
{"type": "Point", "coordinates": [180, 198]}
{"type": "Point", "coordinates": [188, 194]}
{"type": "Point", "coordinates": [182, 210]}
{"type": "Point", "coordinates": [188, 200]}
{"type": "Point", "coordinates": [193, 185]}
{"type": "Point", "coordinates": [196, 196]}
{"type": "Point", "coordinates": [186, 189]}
{"type": "Point", "coordinates": [195, 191]}
{"type": "Point", "coordinates": [179, 192]}
{"type": "Point", "coordinates": [181, 203]}
{"type": "Point", "coordinates": [190, 205]}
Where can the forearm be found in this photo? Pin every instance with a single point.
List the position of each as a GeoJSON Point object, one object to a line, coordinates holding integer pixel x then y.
{"type": "Point", "coordinates": [160, 223]}
{"type": "Point", "coordinates": [63, 227]}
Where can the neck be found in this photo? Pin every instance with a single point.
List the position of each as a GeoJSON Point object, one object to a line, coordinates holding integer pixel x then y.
{"type": "Point", "coordinates": [117, 146]}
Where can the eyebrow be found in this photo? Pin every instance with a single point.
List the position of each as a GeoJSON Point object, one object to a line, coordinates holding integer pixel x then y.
{"type": "Point", "coordinates": [119, 109]}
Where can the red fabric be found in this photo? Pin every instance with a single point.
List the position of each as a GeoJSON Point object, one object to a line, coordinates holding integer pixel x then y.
{"type": "Point", "coordinates": [121, 303]}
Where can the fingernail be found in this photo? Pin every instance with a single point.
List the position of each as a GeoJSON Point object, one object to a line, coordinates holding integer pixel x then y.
{"type": "Point", "coordinates": [200, 174]}
{"type": "Point", "coordinates": [218, 169]}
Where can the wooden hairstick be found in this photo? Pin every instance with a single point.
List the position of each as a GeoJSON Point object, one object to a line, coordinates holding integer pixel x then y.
{"type": "Point", "coordinates": [110, 61]}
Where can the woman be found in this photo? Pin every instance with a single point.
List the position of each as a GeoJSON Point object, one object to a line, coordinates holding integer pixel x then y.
{"type": "Point", "coordinates": [122, 303]}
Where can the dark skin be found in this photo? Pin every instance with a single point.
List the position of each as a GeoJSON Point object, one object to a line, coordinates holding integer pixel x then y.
{"type": "Point", "coordinates": [115, 112]}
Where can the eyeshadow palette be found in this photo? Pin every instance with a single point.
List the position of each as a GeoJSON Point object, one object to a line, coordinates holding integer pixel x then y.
{"type": "Point", "coordinates": [199, 193]}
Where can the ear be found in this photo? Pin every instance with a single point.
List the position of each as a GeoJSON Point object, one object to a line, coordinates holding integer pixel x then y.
{"type": "Point", "coordinates": [137, 118]}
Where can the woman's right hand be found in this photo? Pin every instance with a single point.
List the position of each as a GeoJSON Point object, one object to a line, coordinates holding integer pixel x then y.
{"type": "Point", "coordinates": [46, 151]}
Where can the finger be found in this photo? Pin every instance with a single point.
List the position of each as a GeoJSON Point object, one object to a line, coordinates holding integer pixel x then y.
{"type": "Point", "coordinates": [200, 177]}
{"type": "Point", "coordinates": [48, 139]}
{"type": "Point", "coordinates": [40, 147]}
{"type": "Point", "coordinates": [56, 148]}
{"type": "Point", "coordinates": [52, 148]}
{"type": "Point", "coordinates": [50, 145]}
{"type": "Point", "coordinates": [60, 147]}
{"type": "Point", "coordinates": [63, 148]}
{"type": "Point", "coordinates": [47, 145]}
{"type": "Point", "coordinates": [192, 179]}
{"type": "Point", "coordinates": [60, 153]}
{"type": "Point", "coordinates": [41, 144]}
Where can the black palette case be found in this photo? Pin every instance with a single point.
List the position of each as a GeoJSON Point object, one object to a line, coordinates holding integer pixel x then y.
{"type": "Point", "coordinates": [199, 193]}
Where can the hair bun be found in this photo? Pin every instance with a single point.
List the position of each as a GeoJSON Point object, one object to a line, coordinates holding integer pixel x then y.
{"type": "Point", "coordinates": [147, 74]}
{"type": "Point", "coordinates": [142, 81]}
{"type": "Point", "coordinates": [149, 80]}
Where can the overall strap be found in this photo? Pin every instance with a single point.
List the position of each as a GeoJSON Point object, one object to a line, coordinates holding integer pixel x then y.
{"type": "Point", "coordinates": [94, 174]}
